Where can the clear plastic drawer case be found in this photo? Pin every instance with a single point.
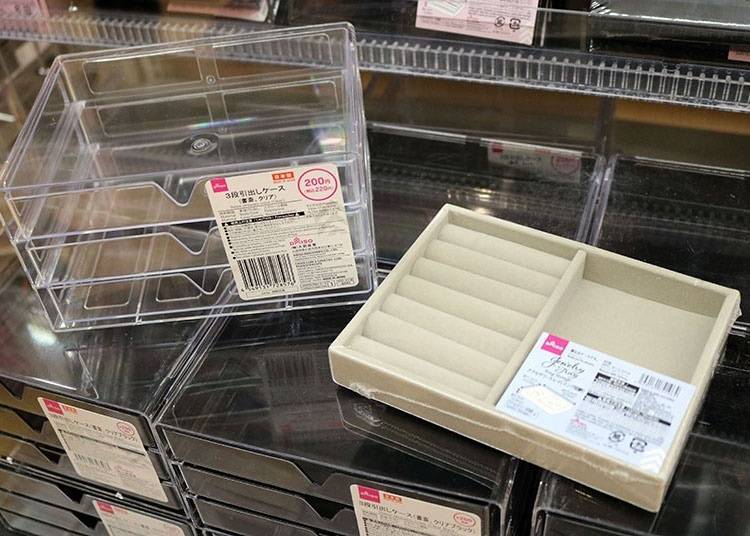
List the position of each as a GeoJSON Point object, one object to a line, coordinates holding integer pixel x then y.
{"type": "Point", "coordinates": [416, 171]}
{"type": "Point", "coordinates": [694, 219]}
{"type": "Point", "coordinates": [106, 187]}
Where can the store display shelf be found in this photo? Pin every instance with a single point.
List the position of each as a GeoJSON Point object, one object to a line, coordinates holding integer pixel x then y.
{"type": "Point", "coordinates": [117, 29]}
{"type": "Point", "coordinates": [581, 72]}
{"type": "Point", "coordinates": [726, 88]}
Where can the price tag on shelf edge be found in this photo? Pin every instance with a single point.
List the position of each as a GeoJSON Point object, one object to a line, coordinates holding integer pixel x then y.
{"type": "Point", "coordinates": [122, 522]}
{"type": "Point", "coordinates": [503, 20]}
{"type": "Point", "coordinates": [381, 513]}
{"type": "Point", "coordinates": [104, 449]}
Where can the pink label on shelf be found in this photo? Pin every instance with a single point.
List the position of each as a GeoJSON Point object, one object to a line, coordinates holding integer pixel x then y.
{"type": "Point", "coordinates": [369, 494]}
{"type": "Point", "coordinates": [53, 407]}
{"type": "Point", "coordinates": [219, 184]}
{"type": "Point", "coordinates": [105, 507]}
{"type": "Point", "coordinates": [739, 54]}
{"type": "Point", "coordinates": [555, 344]}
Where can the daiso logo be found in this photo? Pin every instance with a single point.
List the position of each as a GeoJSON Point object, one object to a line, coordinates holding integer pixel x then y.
{"type": "Point", "coordinates": [105, 508]}
{"type": "Point", "coordinates": [555, 344]}
{"type": "Point", "coordinates": [57, 408]}
{"type": "Point", "coordinates": [368, 494]}
{"type": "Point", "coordinates": [53, 406]}
{"type": "Point", "coordinates": [297, 241]}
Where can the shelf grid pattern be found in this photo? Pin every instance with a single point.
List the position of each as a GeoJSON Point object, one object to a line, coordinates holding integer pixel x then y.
{"type": "Point", "coordinates": [595, 74]}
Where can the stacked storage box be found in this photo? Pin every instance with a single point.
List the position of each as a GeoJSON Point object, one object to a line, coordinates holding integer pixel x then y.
{"type": "Point", "coordinates": [107, 186]}
{"type": "Point", "coordinates": [113, 376]}
{"type": "Point", "coordinates": [691, 219]}
{"type": "Point", "coordinates": [266, 443]}
{"type": "Point", "coordinates": [41, 505]}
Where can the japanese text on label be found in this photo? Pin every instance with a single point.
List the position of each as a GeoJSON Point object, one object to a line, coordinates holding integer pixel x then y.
{"type": "Point", "coordinates": [104, 449]}
{"type": "Point", "coordinates": [122, 522]}
{"type": "Point", "coordinates": [285, 231]}
{"type": "Point", "coordinates": [609, 405]}
{"type": "Point", "coordinates": [503, 20]}
{"type": "Point", "coordinates": [380, 513]}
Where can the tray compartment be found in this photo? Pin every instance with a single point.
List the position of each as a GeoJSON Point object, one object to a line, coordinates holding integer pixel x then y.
{"type": "Point", "coordinates": [651, 317]}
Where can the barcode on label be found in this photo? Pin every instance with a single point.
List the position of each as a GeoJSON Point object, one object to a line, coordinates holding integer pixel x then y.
{"type": "Point", "coordinates": [92, 461]}
{"type": "Point", "coordinates": [660, 385]}
{"type": "Point", "coordinates": [270, 271]}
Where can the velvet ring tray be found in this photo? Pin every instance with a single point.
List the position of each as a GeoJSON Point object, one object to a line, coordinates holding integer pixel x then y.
{"type": "Point", "coordinates": [587, 363]}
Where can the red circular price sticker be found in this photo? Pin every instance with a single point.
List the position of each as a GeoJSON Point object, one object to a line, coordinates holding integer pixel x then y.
{"type": "Point", "coordinates": [464, 519]}
{"type": "Point", "coordinates": [317, 184]}
{"type": "Point", "coordinates": [126, 428]}
{"type": "Point", "coordinates": [566, 165]}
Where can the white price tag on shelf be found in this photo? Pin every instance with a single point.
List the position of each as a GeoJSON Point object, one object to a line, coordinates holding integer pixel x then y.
{"type": "Point", "coordinates": [104, 449]}
{"type": "Point", "coordinates": [562, 165]}
{"type": "Point", "coordinates": [739, 54]}
{"type": "Point", "coordinates": [502, 20]}
{"type": "Point", "coordinates": [380, 513]}
{"type": "Point", "coordinates": [122, 522]}
{"type": "Point", "coordinates": [285, 231]}
{"type": "Point", "coordinates": [601, 402]}
{"type": "Point", "coordinates": [23, 8]}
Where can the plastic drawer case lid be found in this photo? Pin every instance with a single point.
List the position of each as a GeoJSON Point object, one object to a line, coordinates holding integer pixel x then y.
{"type": "Point", "coordinates": [218, 176]}
{"type": "Point", "coordinates": [259, 425]}
{"type": "Point", "coordinates": [122, 373]}
{"type": "Point", "coordinates": [584, 362]}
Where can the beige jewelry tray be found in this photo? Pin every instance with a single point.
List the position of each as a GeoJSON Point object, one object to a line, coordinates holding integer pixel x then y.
{"type": "Point", "coordinates": [445, 333]}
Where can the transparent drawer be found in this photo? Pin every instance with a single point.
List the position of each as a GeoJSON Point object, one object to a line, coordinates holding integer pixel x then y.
{"type": "Point", "coordinates": [691, 219]}
{"type": "Point", "coordinates": [417, 171]}
{"type": "Point", "coordinates": [555, 23]}
{"type": "Point", "coordinates": [106, 189]}
{"type": "Point", "coordinates": [694, 31]}
{"type": "Point", "coordinates": [691, 31]}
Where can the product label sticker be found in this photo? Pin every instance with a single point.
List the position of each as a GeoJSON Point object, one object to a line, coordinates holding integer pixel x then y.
{"type": "Point", "coordinates": [598, 401]}
{"type": "Point", "coordinates": [560, 165]}
{"type": "Point", "coordinates": [503, 20]}
{"type": "Point", "coordinates": [104, 449]}
{"type": "Point", "coordinates": [380, 513]}
{"type": "Point", "coordinates": [285, 231]}
{"type": "Point", "coordinates": [739, 54]}
{"type": "Point", "coordinates": [22, 8]}
{"type": "Point", "coordinates": [121, 522]}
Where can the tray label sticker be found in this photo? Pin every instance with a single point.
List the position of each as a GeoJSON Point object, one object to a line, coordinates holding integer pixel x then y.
{"type": "Point", "coordinates": [104, 449]}
{"type": "Point", "coordinates": [121, 522]}
{"type": "Point", "coordinates": [381, 513]}
{"type": "Point", "coordinates": [561, 165]}
{"type": "Point", "coordinates": [284, 231]}
{"type": "Point", "coordinates": [502, 20]}
{"type": "Point", "coordinates": [598, 401]}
